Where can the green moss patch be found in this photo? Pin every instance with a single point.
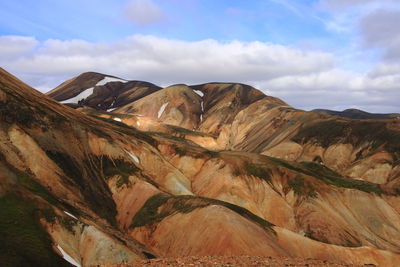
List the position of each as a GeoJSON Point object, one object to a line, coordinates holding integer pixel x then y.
{"type": "Point", "coordinates": [68, 223]}
{"type": "Point", "coordinates": [195, 152]}
{"type": "Point", "coordinates": [36, 188]}
{"type": "Point", "coordinates": [21, 114]}
{"type": "Point", "coordinates": [148, 214]}
{"type": "Point", "coordinates": [180, 150]}
{"type": "Point", "coordinates": [354, 132]}
{"type": "Point", "coordinates": [183, 132]}
{"type": "Point", "coordinates": [118, 167]}
{"type": "Point", "coordinates": [247, 214]}
{"type": "Point", "coordinates": [331, 177]}
{"type": "Point", "coordinates": [326, 175]}
{"type": "Point", "coordinates": [88, 176]}
{"type": "Point", "coordinates": [69, 166]}
{"type": "Point", "coordinates": [162, 205]}
{"type": "Point", "coordinates": [283, 163]}
{"type": "Point", "coordinates": [21, 110]}
{"type": "Point", "coordinates": [301, 187]}
{"type": "Point", "coordinates": [257, 170]}
{"type": "Point", "coordinates": [23, 242]}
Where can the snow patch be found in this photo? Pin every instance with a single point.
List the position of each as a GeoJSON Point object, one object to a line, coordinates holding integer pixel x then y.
{"type": "Point", "coordinates": [83, 95]}
{"type": "Point", "coordinates": [133, 156]}
{"type": "Point", "coordinates": [162, 108]}
{"type": "Point", "coordinates": [138, 123]}
{"type": "Point", "coordinates": [67, 257]}
{"type": "Point", "coordinates": [200, 93]}
{"type": "Point", "coordinates": [180, 189]}
{"type": "Point", "coordinates": [70, 215]}
{"type": "Point", "coordinates": [139, 115]}
{"type": "Point", "coordinates": [117, 119]}
{"type": "Point", "coordinates": [108, 80]}
{"type": "Point", "coordinates": [202, 110]}
{"type": "Point", "coordinates": [112, 104]}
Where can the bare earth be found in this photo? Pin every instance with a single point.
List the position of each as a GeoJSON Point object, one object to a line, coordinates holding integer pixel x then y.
{"type": "Point", "coordinates": [242, 261]}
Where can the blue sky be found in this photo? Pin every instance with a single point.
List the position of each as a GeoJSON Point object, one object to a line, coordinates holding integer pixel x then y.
{"type": "Point", "coordinates": [311, 53]}
{"type": "Point", "coordinates": [261, 20]}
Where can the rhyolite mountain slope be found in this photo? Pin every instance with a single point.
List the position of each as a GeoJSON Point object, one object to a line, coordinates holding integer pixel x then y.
{"type": "Point", "coordinates": [212, 169]}
{"type": "Point", "coordinates": [100, 91]}
{"type": "Point", "coordinates": [223, 116]}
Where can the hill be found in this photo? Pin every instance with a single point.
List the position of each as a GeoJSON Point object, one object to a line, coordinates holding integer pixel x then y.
{"type": "Point", "coordinates": [211, 169]}
{"type": "Point", "coordinates": [358, 114]}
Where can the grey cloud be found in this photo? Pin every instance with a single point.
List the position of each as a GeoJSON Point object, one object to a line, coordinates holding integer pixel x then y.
{"type": "Point", "coordinates": [143, 12]}
{"type": "Point", "coordinates": [380, 29]}
{"type": "Point", "coordinates": [374, 22]}
{"type": "Point", "coordinates": [385, 70]}
{"type": "Point", "coordinates": [338, 89]}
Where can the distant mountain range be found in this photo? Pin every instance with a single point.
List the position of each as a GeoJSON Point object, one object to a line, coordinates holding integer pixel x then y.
{"type": "Point", "coordinates": [102, 171]}
{"type": "Point", "coordinates": [358, 114]}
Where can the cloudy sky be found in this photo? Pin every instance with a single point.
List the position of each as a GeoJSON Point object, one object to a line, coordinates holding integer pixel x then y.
{"type": "Point", "coordinates": [334, 54]}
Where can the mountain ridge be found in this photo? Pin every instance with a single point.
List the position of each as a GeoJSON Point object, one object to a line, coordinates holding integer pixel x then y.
{"type": "Point", "coordinates": [353, 113]}
{"type": "Point", "coordinates": [149, 185]}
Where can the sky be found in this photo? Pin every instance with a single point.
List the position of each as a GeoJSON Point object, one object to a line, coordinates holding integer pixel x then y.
{"type": "Point", "coordinates": [333, 54]}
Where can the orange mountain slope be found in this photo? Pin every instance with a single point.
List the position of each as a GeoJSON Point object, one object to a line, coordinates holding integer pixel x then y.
{"type": "Point", "coordinates": [213, 169]}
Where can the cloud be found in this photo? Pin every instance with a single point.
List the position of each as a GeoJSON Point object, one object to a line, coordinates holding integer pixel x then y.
{"type": "Point", "coordinates": [338, 89]}
{"type": "Point", "coordinates": [165, 60]}
{"type": "Point", "coordinates": [143, 12]}
{"type": "Point", "coordinates": [380, 29]}
{"type": "Point", "coordinates": [305, 79]}
{"type": "Point", "coordinates": [12, 46]}
{"type": "Point", "coordinates": [372, 25]}
{"type": "Point", "coordinates": [384, 70]}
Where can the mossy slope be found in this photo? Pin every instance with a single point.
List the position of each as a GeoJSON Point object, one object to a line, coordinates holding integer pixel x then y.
{"type": "Point", "coordinates": [23, 242]}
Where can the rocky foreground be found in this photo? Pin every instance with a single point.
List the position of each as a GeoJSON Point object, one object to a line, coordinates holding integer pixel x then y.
{"type": "Point", "coordinates": [239, 261]}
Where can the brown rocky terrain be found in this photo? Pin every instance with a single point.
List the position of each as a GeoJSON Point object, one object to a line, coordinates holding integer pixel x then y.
{"type": "Point", "coordinates": [239, 261]}
{"type": "Point", "coordinates": [136, 171]}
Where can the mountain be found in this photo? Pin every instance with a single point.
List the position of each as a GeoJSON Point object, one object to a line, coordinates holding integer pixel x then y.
{"type": "Point", "coordinates": [358, 114]}
{"type": "Point", "coordinates": [210, 169]}
{"type": "Point", "coordinates": [110, 93]}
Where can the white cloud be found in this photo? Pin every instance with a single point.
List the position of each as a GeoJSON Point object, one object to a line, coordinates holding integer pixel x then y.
{"type": "Point", "coordinates": [143, 12]}
{"type": "Point", "coordinates": [305, 79]}
{"type": "Point", "coordinates": [12, 46]}
{"type": "Point", "coordinates": [165, 60]}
